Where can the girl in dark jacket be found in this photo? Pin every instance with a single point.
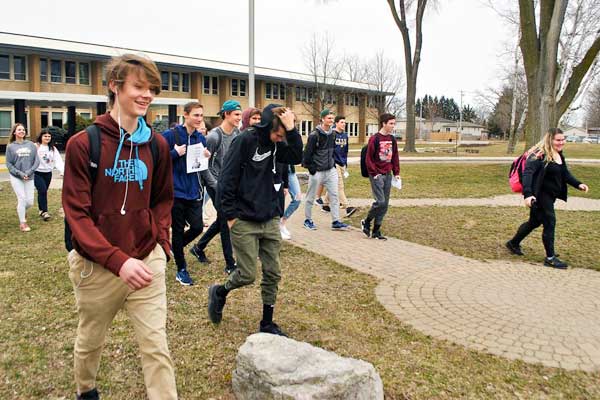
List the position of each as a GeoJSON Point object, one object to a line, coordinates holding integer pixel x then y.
{"type": "Point", "coordinates": [544, 180]}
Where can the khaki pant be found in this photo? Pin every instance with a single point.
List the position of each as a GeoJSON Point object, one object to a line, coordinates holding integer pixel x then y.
{"type": "Point", "coordinates": [99, 295]}
{"type": "Point", "coordinates": [341, 194]}
{"type": "Point", "coordinates": [251, 240]}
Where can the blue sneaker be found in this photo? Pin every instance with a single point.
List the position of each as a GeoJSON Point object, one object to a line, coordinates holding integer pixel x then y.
{"type": "Point", "coordinates": [184, 278]}
{"type": "Point", "coordinates": [310, 225]}
{"type": "Point", "coordinates": [339, 226]}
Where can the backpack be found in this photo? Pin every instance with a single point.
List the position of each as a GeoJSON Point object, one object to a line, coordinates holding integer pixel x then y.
{"type": "Point", "coordinates": [363, 155]}
{"type": "Point", "coordinates": [93, 134]}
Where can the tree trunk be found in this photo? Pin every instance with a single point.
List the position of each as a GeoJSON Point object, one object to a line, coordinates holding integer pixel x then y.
{"type": "Point", "coordinates": [409, 141]}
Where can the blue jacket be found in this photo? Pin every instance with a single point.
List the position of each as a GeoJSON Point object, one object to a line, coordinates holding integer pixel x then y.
{"type": "Point", "coordinates": [340, 155]}
{"type": "Point", "coordinates": [187, 186]}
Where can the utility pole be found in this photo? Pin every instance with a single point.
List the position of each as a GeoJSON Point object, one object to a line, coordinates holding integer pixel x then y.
{"type": "Point", "coordinates": [251, 54]}
{"type": "Point", "coordinates": [459, 120]}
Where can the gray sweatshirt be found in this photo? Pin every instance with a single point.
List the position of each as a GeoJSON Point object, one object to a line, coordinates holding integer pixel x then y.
{"type": "Point", "coordinates": [22, 159]}
{"type": "Point", "coordinates": [218, 144]}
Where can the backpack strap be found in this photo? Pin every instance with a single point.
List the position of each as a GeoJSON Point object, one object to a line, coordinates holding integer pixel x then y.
{"type": "Point", "coordinates": [93, 133]}
{"type": "Point", "coordinates": [176, 136]}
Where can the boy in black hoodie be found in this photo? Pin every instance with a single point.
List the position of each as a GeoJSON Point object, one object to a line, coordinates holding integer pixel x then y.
{"type": "Point", "coordinates": [251, 190]}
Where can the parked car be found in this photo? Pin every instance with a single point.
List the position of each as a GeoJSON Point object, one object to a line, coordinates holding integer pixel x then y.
{"type": "Point", "coordinates": [591, 140]}
{"type": "Point", "coordinates": [59, 135]}
{"type": "Point", "coordinates": [574, 139]}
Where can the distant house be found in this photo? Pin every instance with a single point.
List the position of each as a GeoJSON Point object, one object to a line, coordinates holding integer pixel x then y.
{"type": "Point", "coordinates": [575, 131]}
{"type": "Point", "coordinates": [468, 130]}
{"type": "Point", "coordinates": [420, 127]}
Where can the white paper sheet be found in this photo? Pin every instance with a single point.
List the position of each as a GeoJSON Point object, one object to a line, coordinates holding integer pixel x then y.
{"type": "Point", "coordinates": [196, 161]}
{"type": "Point", "coordinates": [397, 183]}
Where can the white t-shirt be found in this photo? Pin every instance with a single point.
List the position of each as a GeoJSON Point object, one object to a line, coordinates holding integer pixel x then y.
{"type": "Point", "coordinates": [49, 159]}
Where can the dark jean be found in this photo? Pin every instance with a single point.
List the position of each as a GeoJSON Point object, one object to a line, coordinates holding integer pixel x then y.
{"type": "Point", "coordinates": [541, 213]}
{"type": "Point", "coordinates": [217, 227]}
{"type": "Point", "coordinates": [185, 211]}
{"type": "Point", "coordinates": [42, 184]}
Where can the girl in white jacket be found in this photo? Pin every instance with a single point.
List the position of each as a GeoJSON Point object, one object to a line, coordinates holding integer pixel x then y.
{"type": "Point", "coordinates": [49, 159]}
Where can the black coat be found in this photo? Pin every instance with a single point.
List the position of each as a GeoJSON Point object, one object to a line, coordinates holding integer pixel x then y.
{"type": "Point", "coordinates": [535, 171]}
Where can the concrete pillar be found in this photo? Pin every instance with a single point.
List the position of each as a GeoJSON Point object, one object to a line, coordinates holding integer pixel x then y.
{"type": "Point", "coordinates": [290, 99]}
{"type": "Point", "coordinates": [33, 66]}
{"type": "Point", "coordinates": [71, 120]}
{"type": "Point", "coordinates": [97, 78]}
{"type": "Point", "coordinates": [362, 117]}
{"type": "Point", "coordinates": [340, 107]}
{"type": "Point", "coordinates": [100, 108]}
{"type": "Point", "coordinates": [35, 120]}
{"type": "Point", "coordinates": [224, 90]}
{"type": "Point", "coordinates": [20, 115]}
{"type": "Point", "coordinates": [172, 114]}
{"type": "Point", "coordinates": [196, 86]}
{"type": "Point", "coordinates": [259, 94]}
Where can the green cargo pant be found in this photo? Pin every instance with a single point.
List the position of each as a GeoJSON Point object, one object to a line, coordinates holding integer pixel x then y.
{"type": "Point", "coordinates": [251, 240]}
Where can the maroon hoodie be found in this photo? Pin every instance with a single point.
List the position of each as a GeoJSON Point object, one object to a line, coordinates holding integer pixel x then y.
{"type": "Point", "coordinates": [383, 159]}
{"type": "Point", "coordinates": [100, 233]}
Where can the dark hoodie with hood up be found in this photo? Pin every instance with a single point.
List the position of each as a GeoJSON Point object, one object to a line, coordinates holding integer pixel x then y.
{"type": "Point", "coordinates": [127, 179]}
{"type": "Point", "coordinates": [251, 185]}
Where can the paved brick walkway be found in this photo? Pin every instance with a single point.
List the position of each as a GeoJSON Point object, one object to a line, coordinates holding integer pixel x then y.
{"type": "Point", "coordinates": [515, 310]}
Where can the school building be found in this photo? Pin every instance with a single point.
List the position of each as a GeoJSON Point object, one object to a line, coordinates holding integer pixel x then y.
{"type": "Point", "coordinates": [48, 82]}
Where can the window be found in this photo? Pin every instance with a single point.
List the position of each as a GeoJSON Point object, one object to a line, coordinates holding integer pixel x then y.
{"type": "Point", "coordinates": [211, 85]}
{"type": "Point", "coordinates": [311, 95]}
{"type": "Point", "coordinates": [300, 93]}
{"type": "Point", "coordinates": [19, 68]}
{"type": "Point", "coordinates": [185, 82]}
{"type": "Point", "coordinates": [330, 97]}
{"type": "Point", "coordinates": [70, 72]}
{"type": "Point", "coordinates": [372, 129]}
{"type": "Point", "coordinates": [56, 71]}
{"type": "Point", "coordinates": [352, 99]}
{"type": "Point", "coordinates": [43, 70]}
{"type": "Point", "coordinates": [175, 81]}
{"type": "Point", "coordinates": [44, 119]}
{"type": "Point", "coordinates": [352, 128]}
{"type": "Point", "coordinates": [305, 127]}
{"type": "Point", "coordinates": [86, 115]}
{"type": "Point", "coordinates": [164, 77]}
{"type": "Point", "coordinates": [57, 119]}
{"type": "Point", "coordinates": [84, 73]}
{"type": "Point", "coordinates": [5, 122]}
{"type": "Point", "coordinates": [275, 91]}
{"type": "Point", "coordinates": [4, 67]}
{"type": "Point", "coordinates": [103, 74]}
{"type": "Point", "coordinates": [238, 87]}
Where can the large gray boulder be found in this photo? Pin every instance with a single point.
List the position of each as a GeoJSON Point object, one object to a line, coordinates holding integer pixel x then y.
{"type": "Point", "coordinates": [275, 367]}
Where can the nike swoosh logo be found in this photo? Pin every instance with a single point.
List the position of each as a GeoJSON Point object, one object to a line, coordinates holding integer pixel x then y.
{"type": "Point", "coordinates": [260, 157]}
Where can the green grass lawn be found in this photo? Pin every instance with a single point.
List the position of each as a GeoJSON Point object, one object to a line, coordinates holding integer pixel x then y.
{"type": "Point", "coordinates": [460, 180]}
{"type": "Point", "coordinates": [320, 302]}
{"type": "Point", "coordinates": [494, 149]}
{"type": "Point", "coordinates": [481, 232]}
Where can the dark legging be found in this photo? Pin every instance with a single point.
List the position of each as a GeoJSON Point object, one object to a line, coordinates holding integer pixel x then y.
{"type": "Point", "coordinates": [42, 184]}
{"type": "Point", "coordinates": [183, 211]}
{"type": "Point", "coordinates": [541, 213]}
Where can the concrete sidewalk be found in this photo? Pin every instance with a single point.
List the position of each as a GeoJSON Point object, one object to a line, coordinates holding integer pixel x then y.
{"type": "Point", "coordinates": [515, 310]}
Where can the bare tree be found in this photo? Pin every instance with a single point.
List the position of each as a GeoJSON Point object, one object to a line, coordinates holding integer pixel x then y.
{"type": "Point", "coordinates": [540, 38]}
{"type": "Point", "coordinates": [325, 67]}
{"type": "Point", "coordinates": [411, 60]}
{"type": "Point", "coordinates": [385, 75]}
{"type": "Point", "coordinates": [592, 106]}
{"type": "Point", "coordinates": [355, 70]}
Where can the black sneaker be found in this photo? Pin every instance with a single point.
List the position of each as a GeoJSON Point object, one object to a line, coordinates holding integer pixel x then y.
{"type": "Point", "coordinates": [365, 227]}
{"type": "Point", "coordinates": [516, 250]}
{"type": "Point", "coordinates": [89, 395]}
{"type": "Point", "coordinates": [350, 211]}
{"type": "Point", "coordinates": [554, 262]}
{"type": "Point", "coordinates": [319, 201]}
{"type": "Point", "coordinates": [377, 235]}
{"type": "Point", "coordinates": [271, 328]}
{"type": "Point", "coordinates": [229, 269]}
{"type": "Point", "coordinates": [326, 208]}
{"type": "Point", "coordinates": [216, 304]}
{"type": "Point", "coordinates": [199, 254]}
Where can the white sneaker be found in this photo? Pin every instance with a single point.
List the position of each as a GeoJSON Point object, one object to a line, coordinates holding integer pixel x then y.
{"type": "Point", "coordinates": [285, 234]}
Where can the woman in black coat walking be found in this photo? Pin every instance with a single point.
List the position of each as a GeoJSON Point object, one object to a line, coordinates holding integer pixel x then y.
{"type": "Point", "coordinates": [545, 179]}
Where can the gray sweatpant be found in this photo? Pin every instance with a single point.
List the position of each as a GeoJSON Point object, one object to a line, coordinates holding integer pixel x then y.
{"type": "Point", "coordinates": [329, 179]}
{"type": "Point", "coordinates": [381, 193]}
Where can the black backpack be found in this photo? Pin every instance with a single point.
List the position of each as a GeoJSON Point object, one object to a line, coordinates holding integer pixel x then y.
{"type": "Point", "coordinates": [93, 134]}
{"type": "Point", "coordinates": [363, 155]}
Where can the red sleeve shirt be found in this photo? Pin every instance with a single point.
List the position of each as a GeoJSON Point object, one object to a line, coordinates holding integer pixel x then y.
{"type": "Point", "coordinates": [384, 158]}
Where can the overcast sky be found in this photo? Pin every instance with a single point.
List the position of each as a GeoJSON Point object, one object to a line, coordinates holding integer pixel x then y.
{"type": "Point", "coordinates": [462, 49]}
